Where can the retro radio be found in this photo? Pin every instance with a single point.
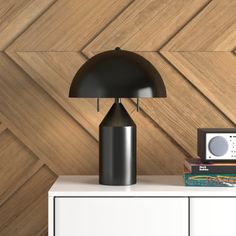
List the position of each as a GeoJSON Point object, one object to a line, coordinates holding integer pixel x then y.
{"type": "Point", "coordinates": [217, 145]}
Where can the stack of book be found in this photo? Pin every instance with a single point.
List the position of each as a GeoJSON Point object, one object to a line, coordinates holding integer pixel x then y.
{"type": "Point", "coordinates": [197, 173]}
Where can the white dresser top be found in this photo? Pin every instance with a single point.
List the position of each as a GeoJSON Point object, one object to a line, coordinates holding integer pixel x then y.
{"type": "Point", "coordinates": [146, 186]}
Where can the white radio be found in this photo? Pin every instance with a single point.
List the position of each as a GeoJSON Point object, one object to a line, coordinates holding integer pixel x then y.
{"type": "Point", "coordinates": [217, 144]}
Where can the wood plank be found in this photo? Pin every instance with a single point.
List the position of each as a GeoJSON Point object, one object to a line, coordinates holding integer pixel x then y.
{"type": "Point", "coordinates": [25, 213]}
{"type": "Point", "coordinates": [184, 110]}
{"type": "Point", "coordinates": [213, 73]}
{"type": "Point", "coordinates": [214, 29]}
{"type": "Point", "coordinates": [145, 25]}
{"type": "Point", "coordinates": [17, 164]}
{"type": "Point", "coordinates": [154, 156]}
{"type": "Point", "coordinates": [16, 16]}
{"type": "Point", "coordinates": [39, 122]}
{"type": "Point", "coordinates": [68, 25]}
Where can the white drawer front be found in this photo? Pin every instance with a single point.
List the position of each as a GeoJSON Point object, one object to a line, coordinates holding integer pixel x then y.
{"type": "Point", "coordinates": [126, 216]}
{"type": "Point", "coordinates": [213, 216]}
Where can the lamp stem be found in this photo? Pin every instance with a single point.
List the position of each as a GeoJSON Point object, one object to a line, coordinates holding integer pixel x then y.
{"type": "Point", "coordinates": [117, 100]}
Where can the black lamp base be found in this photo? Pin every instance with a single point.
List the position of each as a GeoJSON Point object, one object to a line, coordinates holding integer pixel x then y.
{"type": "Point", "coordinates": [117, 147]}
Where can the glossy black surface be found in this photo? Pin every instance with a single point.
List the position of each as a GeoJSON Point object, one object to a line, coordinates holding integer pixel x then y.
{"type": "Point", "coordinates": [117, 147]}
{"type": "Point", "coordinates": [117, 73]}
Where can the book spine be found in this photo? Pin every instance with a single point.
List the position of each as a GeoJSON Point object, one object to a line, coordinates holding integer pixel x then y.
{"type": "Point", "coordinates": [211, 169]}
{"type": "Point", "coordinates": [210, 180]}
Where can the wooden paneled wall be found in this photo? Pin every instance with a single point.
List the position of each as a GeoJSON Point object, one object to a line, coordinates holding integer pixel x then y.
{"type": "Point", "coordinates": [44, 134]}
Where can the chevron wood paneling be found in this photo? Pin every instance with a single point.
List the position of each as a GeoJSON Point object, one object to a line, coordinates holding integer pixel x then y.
{"type": "Point", "coordinates": [213, 73]}
{"type": "Point", "coordinates": [16, 16]}
{"type": "Point", "coordinates": [43, 133]}
{"type": "Point", "coordinates": [17, 164]}
{"type": "Point", "coordinates": [68, 25]}
{"type": "Point", "coordinates": [145, 25]}
{"type": "Point", "coordinates": [25, 213]}
{"type": "Point", "coordinates": [44, 125]}
{"type": "Point", "coordinates": [213, 29]}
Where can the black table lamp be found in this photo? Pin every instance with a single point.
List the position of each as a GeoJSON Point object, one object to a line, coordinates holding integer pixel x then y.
{"type": "Point", "coordinates": [117, 74]}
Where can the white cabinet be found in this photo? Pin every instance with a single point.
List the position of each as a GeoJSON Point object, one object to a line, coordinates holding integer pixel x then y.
{"type": "Point", "coordinates": [213, 216]}
{"type": "Point", "coordinates": [156, 205]}
{"type": "Point", "coordinates": [116, 216]}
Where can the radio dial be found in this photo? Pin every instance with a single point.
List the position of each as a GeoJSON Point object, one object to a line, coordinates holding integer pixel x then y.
{"type": "Point", "coordinates": [218, 146]}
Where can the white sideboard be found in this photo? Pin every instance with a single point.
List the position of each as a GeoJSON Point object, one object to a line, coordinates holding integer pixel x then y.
{"type": "Point", "coordinates": [156, 205]}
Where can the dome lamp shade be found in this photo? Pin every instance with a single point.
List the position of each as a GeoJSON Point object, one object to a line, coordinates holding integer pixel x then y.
{"type": "Point", "coordinates": [117, 74]}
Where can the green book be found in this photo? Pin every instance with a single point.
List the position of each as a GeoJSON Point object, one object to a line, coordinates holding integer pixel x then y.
{"type": "Point", "coordinates": [210, 180]}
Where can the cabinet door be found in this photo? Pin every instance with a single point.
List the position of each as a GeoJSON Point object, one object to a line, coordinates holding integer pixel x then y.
{"type": "Point", "coordinates": [121, 216]}
{"type": "Point", "coordinates": [212, 216]}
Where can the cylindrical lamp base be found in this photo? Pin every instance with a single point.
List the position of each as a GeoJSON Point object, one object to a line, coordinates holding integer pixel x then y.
{"type": "Point", "coordinates": [117, 148]}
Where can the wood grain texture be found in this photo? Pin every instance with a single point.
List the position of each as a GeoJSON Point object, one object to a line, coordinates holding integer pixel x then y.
{"type": "Point", "coordinates": [146, 25]}
{"type": "Point", "coordinates": [25, 213]}
{"type": "Point", "coordinates": [16, 16]}
{"type": "Point", "coordinates": [214, 29]}
{"type": "Point", "coordinates": [17, 164]}
{"type": "Point", "coordinates": [43, 125]}
{"type": "Point", "coordinates": [211, 72]}
{"type": "Point", "coordinates": [53, 72]}
{"type": "Point", "coordinates": [155, 148]}
{"type": "Point", "coordinates": [68, 25]}
{"type": "Point", "coordinates": [43, 133]}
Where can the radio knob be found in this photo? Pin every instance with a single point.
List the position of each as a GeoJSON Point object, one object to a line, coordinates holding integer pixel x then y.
{"type": "Point", "coordinates": [218, 146]}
